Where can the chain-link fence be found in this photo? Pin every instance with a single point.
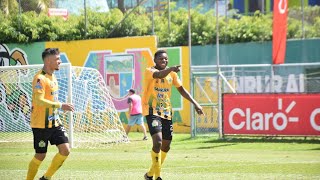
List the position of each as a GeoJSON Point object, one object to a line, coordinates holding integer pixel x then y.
{"type": "Point", "coordinates": [264, 78]}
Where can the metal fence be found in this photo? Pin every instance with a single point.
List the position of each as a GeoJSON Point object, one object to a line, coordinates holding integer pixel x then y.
{"type": "Point", "coordinates": [264, 78]}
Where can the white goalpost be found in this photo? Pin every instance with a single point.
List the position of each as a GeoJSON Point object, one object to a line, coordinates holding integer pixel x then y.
{"type": "Point", "coordinates": [94, 123]}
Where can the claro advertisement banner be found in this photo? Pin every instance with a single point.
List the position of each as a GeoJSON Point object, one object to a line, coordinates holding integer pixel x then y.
{"type": "Point", "coordinates": [272, 114]}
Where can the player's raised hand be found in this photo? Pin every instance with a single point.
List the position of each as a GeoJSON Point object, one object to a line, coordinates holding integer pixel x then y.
{"type": "Point", "coordinates": [176, 68]}
{"type": "Point", "coordinates": [67, 107]}
{"type": "Point", "coordinates": [199, 109]}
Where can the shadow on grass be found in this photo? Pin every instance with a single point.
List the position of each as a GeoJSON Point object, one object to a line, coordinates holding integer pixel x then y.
{"type": "Point", "coordinates": [217, 143]}
{"type": "Point", "coordinates": [216, 146]}
{"type": "Point", "coordinates": [265, 140]}
{"type": "Point", "coordinates": [253, 139]}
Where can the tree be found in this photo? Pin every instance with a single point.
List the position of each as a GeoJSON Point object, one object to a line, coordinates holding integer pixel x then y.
{"type": "Point", "coordinates": [36, 5]}
{"type": "Point", "coordinates": [121, 5]}
{"type": "Point", "coordinates": [9, 6]}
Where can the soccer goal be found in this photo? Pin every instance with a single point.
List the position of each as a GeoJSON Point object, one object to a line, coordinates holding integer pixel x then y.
{"type": "Point", "coordinates": [94, 123]}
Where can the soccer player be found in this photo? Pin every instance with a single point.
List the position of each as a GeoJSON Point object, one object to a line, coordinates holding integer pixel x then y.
{"type": "Point", "coordinates": [45, 123]}
{"type": "Point", "coordinates": [158, 109]}
{"type": "Point", "coordinates": [135, 112]}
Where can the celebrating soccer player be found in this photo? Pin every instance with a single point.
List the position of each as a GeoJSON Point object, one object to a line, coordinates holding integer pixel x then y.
{"type": "Point", "coordinates": [158, 109]}
{"type": "Point", "coordinates": [45, 123]}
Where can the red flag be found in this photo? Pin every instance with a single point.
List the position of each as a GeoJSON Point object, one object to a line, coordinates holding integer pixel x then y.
{"type": "Point", "coordinates": [279, 38]}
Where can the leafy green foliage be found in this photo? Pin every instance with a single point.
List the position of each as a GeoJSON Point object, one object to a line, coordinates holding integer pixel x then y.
{"type": "Point", "coordinates": [9, 6]}
{"type": "Point", "coordinates": [136, 23]}
{"type": "Point", "coordinates": [31, 26]}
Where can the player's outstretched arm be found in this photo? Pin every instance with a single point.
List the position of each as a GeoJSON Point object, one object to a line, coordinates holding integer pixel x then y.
{"type": "Point", "coordinates": [163, 73]}
{"type": "Point", "coordinates": [184, 93]}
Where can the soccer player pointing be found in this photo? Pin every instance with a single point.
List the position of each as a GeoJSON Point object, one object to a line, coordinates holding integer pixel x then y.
{"type": "Point", "coordinates": [158, 109]}
{"type": "Point", "coordinates": [45, 123]}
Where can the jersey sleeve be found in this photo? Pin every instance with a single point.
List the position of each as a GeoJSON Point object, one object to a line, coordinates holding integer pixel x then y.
{"type": "Point", "coordinates": [149, 73]}
{"type": "Point", "coordinates": [39, 93]}
{"type": "Point", "coordinates": [176, 80]}
{"type": "Point", "coordinates": [38, 85]}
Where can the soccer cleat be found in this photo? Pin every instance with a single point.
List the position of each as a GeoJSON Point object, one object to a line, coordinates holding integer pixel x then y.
{"type": "Point", "coordinates": [146, 177]}
{"type": "Point", "coordinates": [159, 178]}
{"type": "Point", "coordinates": [145, 138]}
{"type": "Point", "coordinates": [43, 178]}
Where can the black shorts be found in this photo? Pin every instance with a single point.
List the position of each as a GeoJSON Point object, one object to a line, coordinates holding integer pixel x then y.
{"type": "Point", "coordinates": [157, 124]}
{"type": "Point", "coordinates": [56, 136]}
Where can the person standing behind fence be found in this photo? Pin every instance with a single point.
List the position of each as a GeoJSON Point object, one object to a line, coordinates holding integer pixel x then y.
{"type": "Point", "coordinates": [135, 113]}
{"type": "Point", "coordinates": [45, 123]}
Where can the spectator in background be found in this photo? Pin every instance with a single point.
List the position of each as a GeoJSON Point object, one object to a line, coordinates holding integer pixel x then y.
{"type": "Point", "coordinates": [135, 113]}
{"type": "Point", "coordinates": [232, 13]}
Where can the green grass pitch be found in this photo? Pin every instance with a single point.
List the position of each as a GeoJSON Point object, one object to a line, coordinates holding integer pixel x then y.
{"type": "Point", "coordinates": [189, 158]}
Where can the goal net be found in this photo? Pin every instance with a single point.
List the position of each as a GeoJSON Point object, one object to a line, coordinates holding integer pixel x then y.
{"type": "Point", "coordinates": [94, 123]}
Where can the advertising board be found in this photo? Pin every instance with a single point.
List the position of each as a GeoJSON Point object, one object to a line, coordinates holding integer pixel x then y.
{"type": "Point", "coordinates": [272, 114]}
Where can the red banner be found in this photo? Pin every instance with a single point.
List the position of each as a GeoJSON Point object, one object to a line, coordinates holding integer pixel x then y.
{"type": "Point", "coordinates": [272, 114]}
{"type": "Point", "coordinates": [279, 37]}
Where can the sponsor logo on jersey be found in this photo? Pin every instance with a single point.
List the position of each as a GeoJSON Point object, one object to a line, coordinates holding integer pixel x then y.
{"type": "Point", "coordinates": [160, 96]}
{"type": "Point", "coordinates": [155, 123]}
{"type": "Point", "coordinates": [38, 85]}
{"type": "Point", "coordinates": [161, 89]}
{"type": "Point", "coordinates": [51, 118]}
{"type": "Point", "coordinates": [42, 144]}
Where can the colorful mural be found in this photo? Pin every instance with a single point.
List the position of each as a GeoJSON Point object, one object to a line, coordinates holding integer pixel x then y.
{"type": "Point", "coordinates": [121, 71]}
{"type": "Point", "coordinates": [14, 102]}
{"type": "Point", "coordinates": [121, 63]}
{"type": "Point", "coordinates": [14, 57]}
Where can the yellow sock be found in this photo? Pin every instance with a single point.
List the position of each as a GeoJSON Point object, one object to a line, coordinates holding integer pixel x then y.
{"type": "Point", "coordinates": [56, 163]}
{"type": "Point", "coordinates": [151, 170]}
{"type": "Point", "coordinates": [33, 168]}
{"type": "Point", "coordinates": [156, 165]}
{"type": "Point", "coordinates": [163, 156]}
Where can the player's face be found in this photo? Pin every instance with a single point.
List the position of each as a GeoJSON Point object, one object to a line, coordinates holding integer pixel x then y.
{"type": "Point", "coordinates": [55, 61]}
{"type": "Point", "coordinates": [161, 61]}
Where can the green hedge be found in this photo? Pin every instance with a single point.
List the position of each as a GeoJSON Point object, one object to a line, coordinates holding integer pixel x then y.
{"type": "Point", "coordinates": [32, 27]}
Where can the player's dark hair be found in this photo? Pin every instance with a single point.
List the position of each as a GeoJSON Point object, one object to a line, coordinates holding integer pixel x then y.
{"type": "Point", "coordinates": [159, 52]}
{"type": "Point", "coordinates": [50, 51]}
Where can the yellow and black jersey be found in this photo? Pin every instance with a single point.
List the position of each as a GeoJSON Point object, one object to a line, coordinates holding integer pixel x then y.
{"type": "Point", "coordinates": [157, 93]}
{"type": "Point", "coordinates": [45, 103]}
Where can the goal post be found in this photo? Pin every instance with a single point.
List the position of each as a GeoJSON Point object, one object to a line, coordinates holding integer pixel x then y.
{"type": "Point", "coordinates": [94, 123]}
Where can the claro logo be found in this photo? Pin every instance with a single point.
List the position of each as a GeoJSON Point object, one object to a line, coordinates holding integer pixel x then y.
{"type": "Point", "coordinates": [282, 6]}
{"type": "Point", "coordinates": [313, 119]}
{"type": "Point", "coordinates": [239, 118]}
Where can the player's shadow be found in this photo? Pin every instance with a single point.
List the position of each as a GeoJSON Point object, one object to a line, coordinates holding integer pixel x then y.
{"type": "Point", "coordinates": [231, 141]}
{"type": "Point", "coordinates": [298, 140]}
{"type": "Point", "coordinates": [216, 146]}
